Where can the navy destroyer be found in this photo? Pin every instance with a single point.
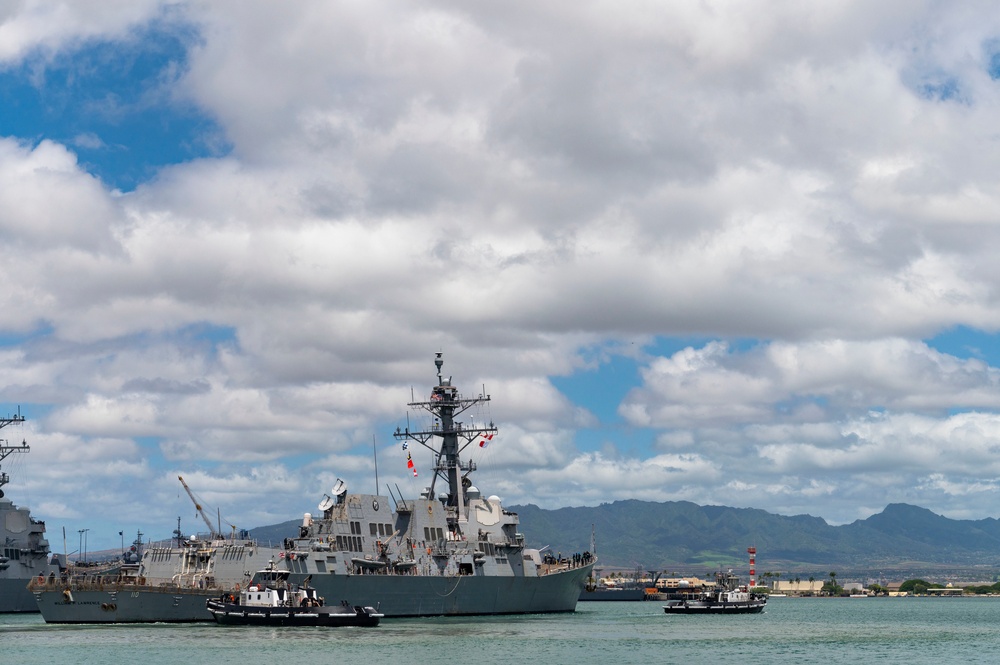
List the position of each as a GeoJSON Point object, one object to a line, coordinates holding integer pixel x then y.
{"type": "Point", "coordinates": [24, 551]}
{"type": "Point", "coordinates": [169, 584]}
{"type": "Point", "coordinates": [456, 552]}
{"type": "Point", "coordinates": [159, 583]}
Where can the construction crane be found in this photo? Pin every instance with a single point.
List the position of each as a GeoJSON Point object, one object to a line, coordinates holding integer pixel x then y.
{"type": "Point", "coordinates": [201, 512]}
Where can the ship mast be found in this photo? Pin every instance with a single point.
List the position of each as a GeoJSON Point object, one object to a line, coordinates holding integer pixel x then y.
{"type": "Point", "coordinates": [445, 404]}
{"type": "Point", "coordinates": [6, 449]}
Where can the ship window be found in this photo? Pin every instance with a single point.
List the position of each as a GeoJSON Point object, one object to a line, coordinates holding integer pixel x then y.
{"type": "Point", "coordinates": [320, 566]}
{"type": "Point", "coordinates": [427, 533]}
{"type": "Point", "coordinates": [440, 533]}
{"type": "Point", "coordinates": [340, 542]}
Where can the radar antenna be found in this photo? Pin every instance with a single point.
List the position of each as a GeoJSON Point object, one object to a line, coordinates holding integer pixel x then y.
{"type": "Point", "coordinates": [6, 449]}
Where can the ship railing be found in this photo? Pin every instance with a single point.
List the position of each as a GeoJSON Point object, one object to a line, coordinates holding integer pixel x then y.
{"type": "Point", "coordinates": [106, 583]}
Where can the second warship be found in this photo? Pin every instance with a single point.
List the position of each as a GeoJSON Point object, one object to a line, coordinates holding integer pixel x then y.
{"type": "Point", "coordinates": [160, 583]}
{"type": "Point", "coordinates": [168, 583]}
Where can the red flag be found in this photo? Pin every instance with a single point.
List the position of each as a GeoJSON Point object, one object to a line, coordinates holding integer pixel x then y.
{"type": "Point", "coordinates": [485, 441]}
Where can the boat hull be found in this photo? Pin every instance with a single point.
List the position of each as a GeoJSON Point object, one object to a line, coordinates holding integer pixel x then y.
{"type": "Point", "coordinates": [229, 614]}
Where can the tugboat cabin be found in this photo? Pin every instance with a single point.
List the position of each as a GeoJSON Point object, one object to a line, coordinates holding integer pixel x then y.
{"type": "Point", "coordinates": [270, 588]}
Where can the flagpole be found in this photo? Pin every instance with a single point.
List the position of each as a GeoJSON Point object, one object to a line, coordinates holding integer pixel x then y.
{"type": "Point", "coordinates": [375, 455]}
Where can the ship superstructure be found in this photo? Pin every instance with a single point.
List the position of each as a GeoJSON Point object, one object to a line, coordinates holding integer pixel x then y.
{"type": "Point", "coordinates": [24, 551]}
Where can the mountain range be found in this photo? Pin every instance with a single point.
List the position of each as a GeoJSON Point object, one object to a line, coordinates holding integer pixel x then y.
{"type": "Point", "coordinates": [685, 537]}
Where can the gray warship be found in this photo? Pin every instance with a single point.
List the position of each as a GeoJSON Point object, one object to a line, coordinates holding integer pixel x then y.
{"type": "Point", "coordinates": [159, 583]}
{"type": "Point", "coordinates": [168, 583]}
{"type": "Point", "coordinates": [452, 553]}
{"type": "Point", "coordinates": [24, 551]}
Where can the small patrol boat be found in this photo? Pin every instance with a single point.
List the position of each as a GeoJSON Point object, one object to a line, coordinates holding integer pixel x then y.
{"type": "Point", "coordinates": [726, 597]}
{"type": "Point", "coordinates": [269, 600]}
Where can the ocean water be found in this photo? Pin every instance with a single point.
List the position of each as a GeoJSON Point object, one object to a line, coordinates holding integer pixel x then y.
{"type": "Point", "coordinates": [790, 630]}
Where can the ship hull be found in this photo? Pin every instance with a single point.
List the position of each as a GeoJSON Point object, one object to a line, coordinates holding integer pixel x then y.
{"type": "Point", "coordinates": [393, 595]}
{"type": "Point", "coordinates": [124, 605]}
{"type": "Point", "coordinates": [416, 596]}
{"type": "Point", "coordinates": [15, 597]}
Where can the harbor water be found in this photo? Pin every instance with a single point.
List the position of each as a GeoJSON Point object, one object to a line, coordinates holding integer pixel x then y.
{"type": "Point", "coordinates": [790, 630]}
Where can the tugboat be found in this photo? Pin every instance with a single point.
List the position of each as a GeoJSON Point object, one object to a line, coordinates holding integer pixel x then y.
{"type": "Point", "coordinates": [270, 600]}
{"type": "Point", "coordinates": [24, 551]}
{"type": "Point", "coordinates": [457, 552]}
{"type": "Point", "coordinates": [726, 597]}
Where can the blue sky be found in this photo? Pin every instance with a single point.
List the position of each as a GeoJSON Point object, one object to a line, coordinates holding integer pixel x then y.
{"type": "Point", "coordinates": [738, 255]}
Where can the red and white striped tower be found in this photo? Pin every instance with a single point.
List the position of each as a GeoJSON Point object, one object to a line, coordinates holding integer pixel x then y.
{"type": "Point", "coordinates": [752, 551]}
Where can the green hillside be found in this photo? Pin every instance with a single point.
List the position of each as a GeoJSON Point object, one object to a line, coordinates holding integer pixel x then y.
{"type": "Point", "coordinates": [679, 535]}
